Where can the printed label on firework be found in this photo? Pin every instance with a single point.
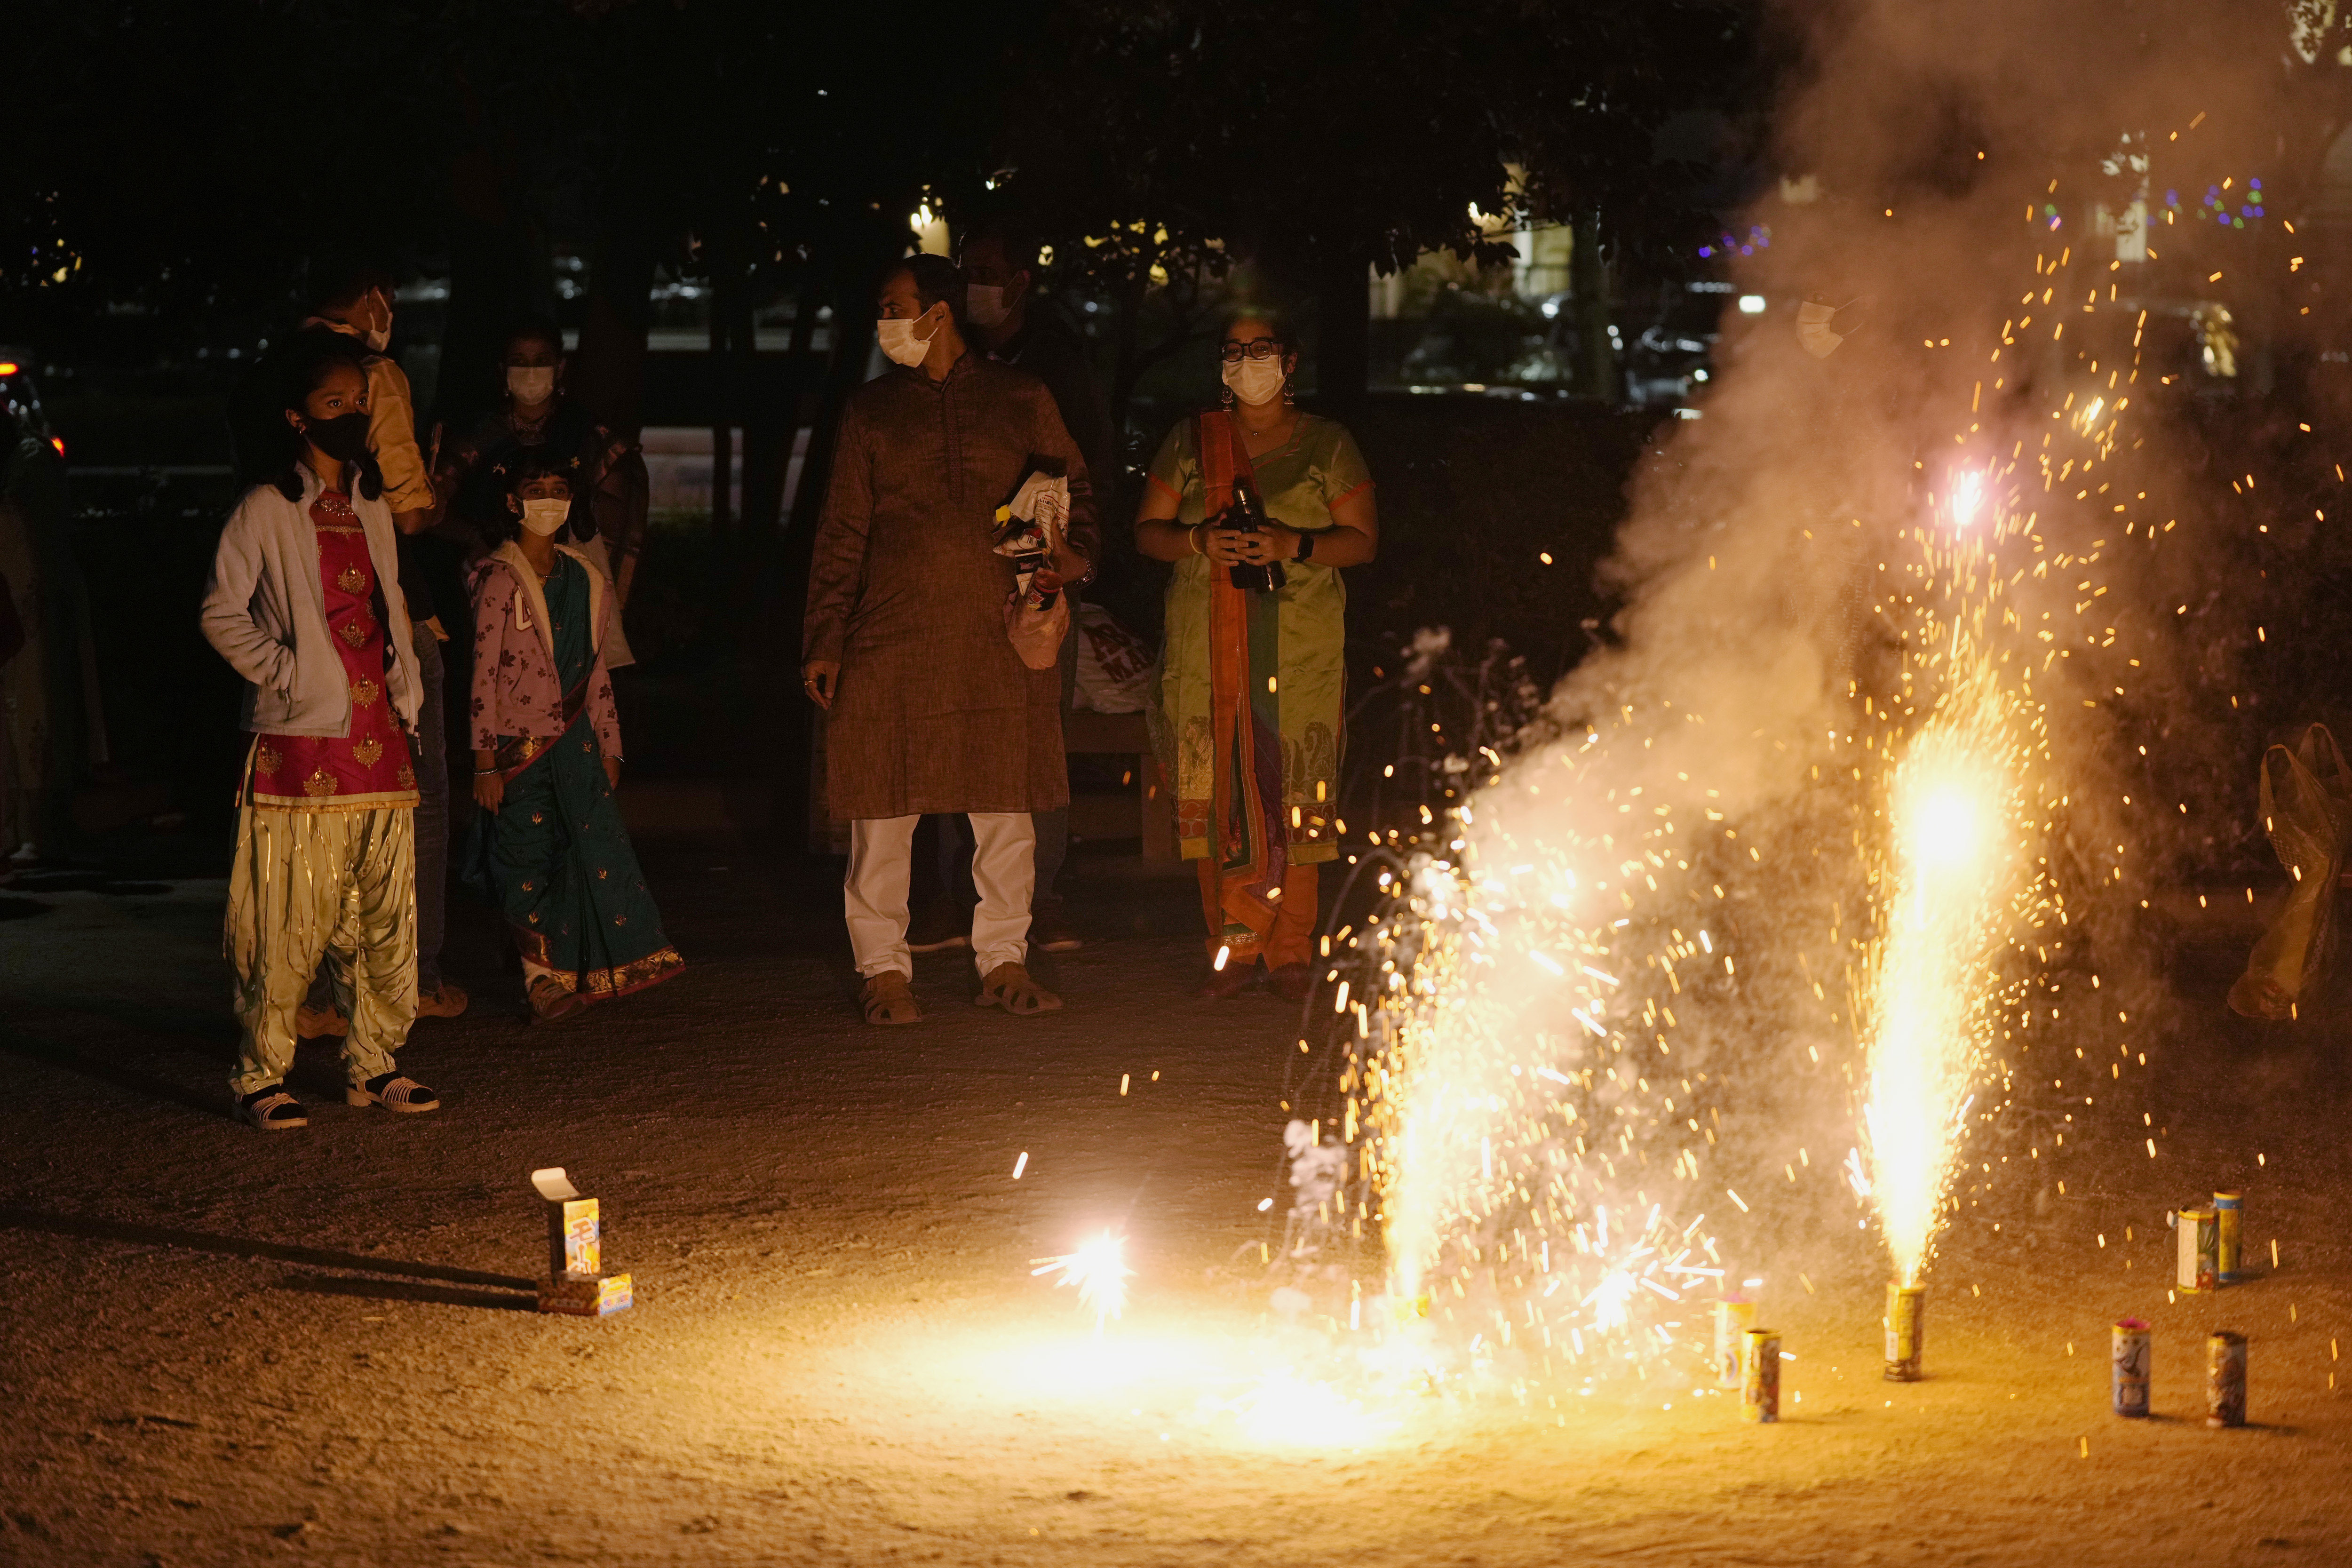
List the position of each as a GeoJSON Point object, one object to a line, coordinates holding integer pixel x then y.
{"type": "Point", "coordinates": [1734, 1316]}
{"type": "Point", "coordinates": [2130, 1357]}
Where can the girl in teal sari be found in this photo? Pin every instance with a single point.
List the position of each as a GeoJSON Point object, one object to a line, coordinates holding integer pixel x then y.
{"type": "Point", "coordinates": [547, 754]}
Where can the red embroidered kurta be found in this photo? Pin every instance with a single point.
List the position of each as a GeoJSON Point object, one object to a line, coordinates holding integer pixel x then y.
{"type": "Point", "coordinates": [369, 765]}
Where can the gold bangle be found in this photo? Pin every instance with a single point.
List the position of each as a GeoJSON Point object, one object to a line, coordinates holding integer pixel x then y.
{"type": "Point", "coordinates": [1199, 532]}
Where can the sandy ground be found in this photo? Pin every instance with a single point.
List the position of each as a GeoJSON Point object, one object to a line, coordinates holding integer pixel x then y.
{"type": "Point", "coordinates": [839, 1354]}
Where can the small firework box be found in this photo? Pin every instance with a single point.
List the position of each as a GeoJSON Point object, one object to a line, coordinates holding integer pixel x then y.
{"type": "Point", "coordinates": [576, 1283]}
{"type": "Point", "coordinates": [2228, 1250]}
{"type": "Point", "coordinates": [2128, 1366]}
{"type": "Point", "coordinates": [1760, 1393]}
{"type": "Point", "coordinates": [1907, 1328]}
{"type": "Point", "coordinates": [2199, 1246]}
{"type": "Point", "coordinates": [2225, 1378]}
{"type": "Point", "coordinates": [586, 1295]}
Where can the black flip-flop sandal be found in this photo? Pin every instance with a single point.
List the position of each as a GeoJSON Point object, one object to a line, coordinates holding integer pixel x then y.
{"type": "Point", "coordinates": [272, 1109]}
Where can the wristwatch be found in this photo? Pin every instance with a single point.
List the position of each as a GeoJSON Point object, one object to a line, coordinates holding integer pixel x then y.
{"type": "Point", "coordinates": [1306, 546]}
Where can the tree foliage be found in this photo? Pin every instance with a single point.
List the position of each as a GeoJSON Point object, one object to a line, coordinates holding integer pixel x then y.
{"type": "Point", "coordinates": [186, 152]}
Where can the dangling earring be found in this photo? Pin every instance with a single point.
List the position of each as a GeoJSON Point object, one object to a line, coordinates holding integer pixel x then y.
{"type": "Point", "coordinates": [1286, 398]}
{"type": "Point", "coordinates": [1229, 397]}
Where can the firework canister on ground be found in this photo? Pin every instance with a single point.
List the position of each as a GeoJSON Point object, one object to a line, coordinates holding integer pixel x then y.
{"type": "Point", "coordinates": [1734, 1316]}
{"type": "Point", "coordinates": [575, 1225]}
{"type": "Point", "coordinates": [2129, 1357]}
{"type": "Point", "coordinates": [2199, 1244]}
{"type": "Point", "coordinates": [2225, 1379]}
{"type": "Point", "coordinates": [2228, 1256]}
{"type": "Point", "coordinates": [1759, 1384]}
{"type": "Point", "coordinates": [576, 1283]}
{"type": "Point", "coordinates": [1906, 1322]}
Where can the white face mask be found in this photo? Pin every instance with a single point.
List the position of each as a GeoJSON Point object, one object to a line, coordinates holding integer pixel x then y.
{"type": "Point", "coordinates": [1256, 381]}
{"type": "Point", "coordinates": [530, 384]}
{"type": "Point", "coordinates": [380, 338]}
{"type": "Point", "coordinates": [544, 517]}
{"type": "Point", "coordinates": [1813, 329]}
{"type": "Point", "coordinates": [899, 341]}
{"type": "Point", "coordinates": [983, 304]}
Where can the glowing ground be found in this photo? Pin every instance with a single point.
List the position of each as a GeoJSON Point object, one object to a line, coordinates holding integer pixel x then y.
{"type": "Point", "coordinates": [840, 1354]}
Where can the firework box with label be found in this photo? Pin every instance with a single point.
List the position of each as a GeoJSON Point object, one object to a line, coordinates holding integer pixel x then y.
{"type": "Point", "coordinates": [2199, 1250]}
{"type": "Point", "coordinates": [2225, 1379]}
{"type": "Point", "coordinates": [1760, 1391]}
{"type": "Point", "coordinates": [576, 1283]}
{"type": "Point", "coordinates": [1906, 1324]}
{"type": "Point", "coordinates": [2229, 1232]}
{"type": "Point", "coordinates": [2130, 1358]}
{"type": "Point", "coordinates": [1734, 1316]}
{"type": "Point", "coordinates": [587, 1295]}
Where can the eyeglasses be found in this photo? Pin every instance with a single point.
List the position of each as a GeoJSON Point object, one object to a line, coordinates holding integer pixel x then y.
{"type": "Point", "coordinates": [1233, 350]}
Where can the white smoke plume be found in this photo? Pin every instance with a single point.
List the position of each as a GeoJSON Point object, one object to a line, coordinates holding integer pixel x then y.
{"type": "Point", "coordinates": [1621, 1040]}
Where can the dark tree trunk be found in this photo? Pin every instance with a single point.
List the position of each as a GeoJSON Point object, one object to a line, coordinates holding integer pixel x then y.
{"type": "Point", "coordinates": [491, 249]}
{"type": "Point", "coordinates": [1343, 304]}
{"type": "Point", "coordinates": [1589, 286]}
{"type": "Point", "coordinates": [1128, 363]}
{"type": "Point", "coordinates": [608, 374]}
{"type": "Point", "coordinates": [767, 422]}
{"type": "Point", "coordinates": [725, 373]}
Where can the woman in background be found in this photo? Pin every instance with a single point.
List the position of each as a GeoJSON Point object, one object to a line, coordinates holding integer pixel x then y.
{"type": "Point", "coordinates": [538, 421]}
{"type": "Point", "coordinates": [547, 754]}
{"type": "Point", "coordinates": [1252, 680]}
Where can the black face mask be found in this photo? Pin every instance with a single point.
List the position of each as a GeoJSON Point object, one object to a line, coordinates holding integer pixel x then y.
{"type": "Point", "coordinates": [343, 438]}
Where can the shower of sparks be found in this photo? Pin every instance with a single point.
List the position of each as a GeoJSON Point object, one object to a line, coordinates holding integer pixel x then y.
{"type": "Point", "coordinates": [1933, 995]}
{"type": "Point", "coordinates": [1593, 963]}
{"type": "Point", "coordinates": [1098, 1269]}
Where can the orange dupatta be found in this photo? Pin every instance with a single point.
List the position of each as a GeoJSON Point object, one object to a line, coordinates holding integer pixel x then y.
{"type": "Point", "coordinates": [1246, 850]}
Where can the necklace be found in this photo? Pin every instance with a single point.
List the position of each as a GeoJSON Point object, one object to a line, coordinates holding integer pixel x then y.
{"type": "Point", "coordinates": [1273, 436]}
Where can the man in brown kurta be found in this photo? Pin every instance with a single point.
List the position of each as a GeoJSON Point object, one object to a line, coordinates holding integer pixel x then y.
{"type": "Point", "coordinates": [905, 638]}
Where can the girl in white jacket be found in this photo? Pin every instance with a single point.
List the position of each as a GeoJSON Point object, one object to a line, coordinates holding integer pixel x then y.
{"type": "Point", "coordinates": [305, 602]}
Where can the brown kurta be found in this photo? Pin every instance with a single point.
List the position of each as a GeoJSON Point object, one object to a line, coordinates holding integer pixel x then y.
{"type": "Point", "coordinates": [935, 713]}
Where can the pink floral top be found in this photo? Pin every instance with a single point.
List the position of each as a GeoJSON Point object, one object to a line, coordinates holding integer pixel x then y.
{"type": "Point", "coordinates": [516, 690]}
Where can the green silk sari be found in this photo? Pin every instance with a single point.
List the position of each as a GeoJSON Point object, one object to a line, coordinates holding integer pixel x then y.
{"type": "Point", "coordinates": [1281, 658]}
{"type": "Point", "coordinates": [567, 879]}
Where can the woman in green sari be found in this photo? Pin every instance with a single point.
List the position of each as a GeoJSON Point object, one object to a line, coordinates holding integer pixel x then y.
{"type": "Point", "coordinates": [547, 753]}
{"type": "Point", "coordinates": [1252, 679]}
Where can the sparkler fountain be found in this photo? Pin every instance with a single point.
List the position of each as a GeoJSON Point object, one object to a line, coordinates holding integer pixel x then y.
{"type": "Point", "coordinates": [1641, 916]}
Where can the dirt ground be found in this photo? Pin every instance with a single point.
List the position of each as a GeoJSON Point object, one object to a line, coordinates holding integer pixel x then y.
{"type": "Point", "coordinates": [222, 1348]}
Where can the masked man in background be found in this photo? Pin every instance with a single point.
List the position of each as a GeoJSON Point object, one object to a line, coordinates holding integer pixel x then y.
{"type": "Point", "coordinates": [1000, 259]}
{"type": "Point", "coordinates": [905, 641]}
{"type": "Point", "coordinates": [352, 302]}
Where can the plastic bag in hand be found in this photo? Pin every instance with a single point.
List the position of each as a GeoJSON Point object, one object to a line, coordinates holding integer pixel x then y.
{"type": "Point", "coordinates": [1037, 633]}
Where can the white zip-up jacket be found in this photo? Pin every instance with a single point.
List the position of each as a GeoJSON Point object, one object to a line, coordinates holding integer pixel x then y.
{"type": "Point", "coordinates": [265, 612]}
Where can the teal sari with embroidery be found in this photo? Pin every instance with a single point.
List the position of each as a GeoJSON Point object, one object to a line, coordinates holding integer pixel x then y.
{"type": "Point", "coordinates": [567, 881]}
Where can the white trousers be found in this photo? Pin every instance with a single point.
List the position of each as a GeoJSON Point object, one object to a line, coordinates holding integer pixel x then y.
{"type": "Point", "coordinates": [874, 894]}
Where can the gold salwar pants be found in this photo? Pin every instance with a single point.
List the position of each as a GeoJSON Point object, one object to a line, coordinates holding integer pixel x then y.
{"type": "Point", "coordinates": [307, 885]}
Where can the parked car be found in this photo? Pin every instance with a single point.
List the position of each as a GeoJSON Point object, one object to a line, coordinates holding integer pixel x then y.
{"type": "Point", "coordinates": [1670, 358]}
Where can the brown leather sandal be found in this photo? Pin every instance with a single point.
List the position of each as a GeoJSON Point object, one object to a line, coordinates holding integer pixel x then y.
{"type": "Point", "coordinates": [448, 1002]}
{"type": "Point", "coordinates": [888, 1000]}
{"type": "Point", "coordinates": [1008, 987]}
{"type": "Point", "coordinates": [1291, 982]}
{"type": "Point", "coordinates": [552, 1000]}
